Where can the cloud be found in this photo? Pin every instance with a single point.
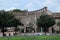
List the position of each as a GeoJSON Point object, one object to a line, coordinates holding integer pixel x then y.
{"type": "Point", "coordinates": [51, 3]}
{"type": "Point", "coordinates": [54, 5]}
{"type": "Point", "coordinates": [11, 8]}
{"type": "Point", "coordinates": [9, 4]}
{"type": "Point", "coordinates": [57, 9]}
{"type": "Point", "coordinates": [29, 5]}
{"type": "Point", "coordinates": [33, 5]}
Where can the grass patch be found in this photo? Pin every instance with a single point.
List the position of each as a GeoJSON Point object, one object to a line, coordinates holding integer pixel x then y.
{"type": "Point", "coordinates": [31, 38]}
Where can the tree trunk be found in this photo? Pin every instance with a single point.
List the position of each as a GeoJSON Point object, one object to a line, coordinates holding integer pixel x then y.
{"type": "Point", "coordinates": [52, 30]}
{"type": "Point", "coordinates": [3, 31]}
{"type": "Point", "coordinates": [41, 30]}
{"type": "Point", "coordinates": [45, 30]}
{"type": "Point", "coordinates": [15, 30]}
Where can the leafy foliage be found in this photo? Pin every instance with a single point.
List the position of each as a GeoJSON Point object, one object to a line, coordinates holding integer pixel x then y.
{"type": "Point", "coordinates": [17, 10]}
{"type": "Point", "coordinates": [45, 21]}
{"type": "Point", "coordinates": [8, 20]}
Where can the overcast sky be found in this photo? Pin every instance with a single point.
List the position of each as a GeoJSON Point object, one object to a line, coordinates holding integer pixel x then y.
{"type": "Point", "coordinates": [53, 5]}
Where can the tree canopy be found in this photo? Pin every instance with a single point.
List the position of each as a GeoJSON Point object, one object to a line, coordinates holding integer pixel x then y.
{"type": "Point", "coordinates": [45, 21]}
{"type": "Point", "coordinates": [17, 10]}
{"type": "Point", "coordinates": [8, 20]}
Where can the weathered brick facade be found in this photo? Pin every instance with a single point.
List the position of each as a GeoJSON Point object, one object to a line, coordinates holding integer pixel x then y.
{"type": "Point", "coordinates": [29, 19]}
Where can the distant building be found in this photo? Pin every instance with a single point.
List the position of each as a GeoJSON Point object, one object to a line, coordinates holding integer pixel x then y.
{"type": "Point", "coordinates": [29, 19]}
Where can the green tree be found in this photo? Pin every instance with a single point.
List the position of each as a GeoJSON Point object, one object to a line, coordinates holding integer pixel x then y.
{"type": "Point", "coordinates": [45, 21]}
{"type": "Point", "coordinates": [8, 20]}
{"type": "Point", "coordinates": [17, 10]}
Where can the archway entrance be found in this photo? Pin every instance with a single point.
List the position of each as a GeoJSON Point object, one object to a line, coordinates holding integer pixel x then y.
{"type": "Point", "coordinates": [27, 29]}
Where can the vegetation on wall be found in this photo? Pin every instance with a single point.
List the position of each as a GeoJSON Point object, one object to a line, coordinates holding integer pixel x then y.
{"type": "Point", "coordinates": [17, 10]}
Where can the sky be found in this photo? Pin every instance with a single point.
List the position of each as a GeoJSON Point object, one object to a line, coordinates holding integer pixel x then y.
{"type": "Point", "coordinates": [30, 5]}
